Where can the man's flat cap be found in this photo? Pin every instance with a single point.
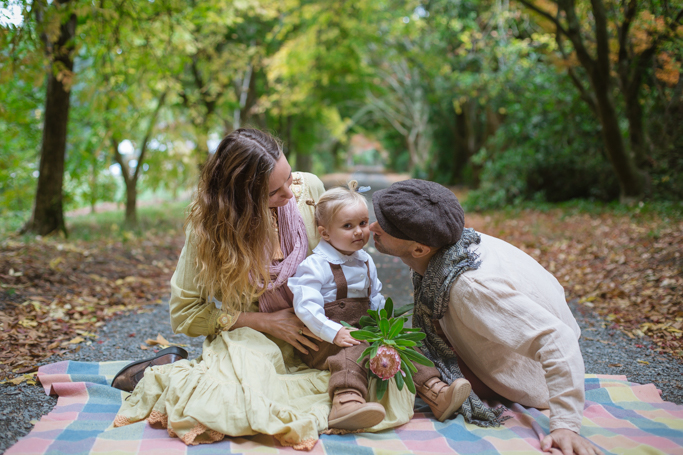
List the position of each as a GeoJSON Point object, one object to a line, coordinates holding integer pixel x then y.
{"type": "Point", "coordinates": [419, 210]}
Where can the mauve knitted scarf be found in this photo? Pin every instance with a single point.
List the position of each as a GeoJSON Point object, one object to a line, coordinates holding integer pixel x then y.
{"type": "Point", "coordinates": [294, 244]}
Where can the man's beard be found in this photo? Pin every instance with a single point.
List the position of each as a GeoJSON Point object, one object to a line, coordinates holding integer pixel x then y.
{"type": "Point", "coordinates": [379, 247]}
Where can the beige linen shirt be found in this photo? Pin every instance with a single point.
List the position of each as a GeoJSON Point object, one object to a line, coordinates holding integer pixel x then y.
{"type": "Point", "coordinates": [195, 315]}
{"type": "Point", "coordinates": [510, 323]}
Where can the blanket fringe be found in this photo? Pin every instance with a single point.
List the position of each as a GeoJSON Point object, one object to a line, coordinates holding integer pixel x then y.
{"type": "Point", "coordinates": [306, 444]}
{"type": "Point", "coordinates": [200, 434]}
{"type": "Point", "coordinates": [121, 421]}
{"type": "Point", "coordinates": [339, 431]}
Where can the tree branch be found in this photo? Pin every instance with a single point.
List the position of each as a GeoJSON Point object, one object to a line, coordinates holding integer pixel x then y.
{"type": "Point", "coordinates": [629, 14]}
{"type": "Point", "coordinates": [148, 134]}
{"type": "Point", "coordinates": [601, 37]}
{"type": "Point", "coordinates": [574, 34]}
{"type": "Point", "coordinates": [121, 162]}
{"type": "Point", "coordinates": [574, 77]}
{"type": "Point", "coordinates": [545, 14]}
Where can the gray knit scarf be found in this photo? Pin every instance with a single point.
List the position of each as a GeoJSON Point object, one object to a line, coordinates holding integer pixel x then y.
{"type": "Point", "coordinates": [432, 294]}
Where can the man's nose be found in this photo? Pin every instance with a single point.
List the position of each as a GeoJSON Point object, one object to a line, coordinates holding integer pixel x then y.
{"type": "Point", "coordinates": [373, 226]}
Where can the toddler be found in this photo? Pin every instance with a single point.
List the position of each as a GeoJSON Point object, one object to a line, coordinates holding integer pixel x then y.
{"type": "Point", "coordinates": [338, 282]}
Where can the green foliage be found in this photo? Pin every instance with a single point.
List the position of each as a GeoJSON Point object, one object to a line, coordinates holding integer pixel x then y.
{"type": "Point", "coordinates": [472, 92]}
{"type": "Point", "coordinates": [386, 328]}
{"type": "Point", "coordinates": [547, 149]}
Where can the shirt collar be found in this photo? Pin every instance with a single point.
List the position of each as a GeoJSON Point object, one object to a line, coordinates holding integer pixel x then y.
{"type": "Point", "coordinates": [335, 257]}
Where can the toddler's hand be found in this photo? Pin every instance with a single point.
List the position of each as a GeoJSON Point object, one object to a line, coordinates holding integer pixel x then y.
{"type": "Point", "coordinates": [344, 338]}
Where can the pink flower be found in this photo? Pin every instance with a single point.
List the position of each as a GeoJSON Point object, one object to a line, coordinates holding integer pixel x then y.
{"type": "Point", "coordinates": [386, 363]}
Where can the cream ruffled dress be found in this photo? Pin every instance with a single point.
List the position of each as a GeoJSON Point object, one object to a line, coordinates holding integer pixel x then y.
{"type": "Point", "coordinates": [245, 382]}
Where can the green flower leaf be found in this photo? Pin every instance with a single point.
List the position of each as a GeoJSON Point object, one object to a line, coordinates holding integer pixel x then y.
{"type": "Point", "coordinates": [406, 343]}
{"type": "Point", "coordinates": [383, 314]}
{"type": "Point", "coordinates": [384, 326]}
{"type": "Point", "coordinates": [346, 324]}
{"type": "Point", "coordinates": [409, 377]}
{"type": "Point", "coordinates": [375, 346]}
{"type": "Point", "coordinates": [367, 321]}
{"type": "Point", "coordinates": [381, 388]}
{"type": "Point", "coordinates": [374, 315]}
{"type": "Point", "coordinates": [396, 327]}
{"type": "Point", "coordinates": [363, 335]}
{"type": "Point", "coordinates": [406, 360]}
{"type": "Point", "coordinates": [399, 380]}
{"type": "Point", "coordinates": [367, 351]}
{"type": "Point", "coordinates": [417, 357]}
{"type": "Point", "coordinates": [413, 336]}
{"type": "Point", "coordinates": [403, 310]}
{"type": "Point", "coordinates": [389, 307]}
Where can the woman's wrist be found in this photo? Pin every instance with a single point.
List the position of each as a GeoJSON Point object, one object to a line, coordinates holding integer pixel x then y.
{"type": "Point", "coordinates": [253, 320]}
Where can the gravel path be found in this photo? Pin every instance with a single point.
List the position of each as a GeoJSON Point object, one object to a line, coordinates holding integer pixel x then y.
{"type": "Point", "coordinates": [605, 351]}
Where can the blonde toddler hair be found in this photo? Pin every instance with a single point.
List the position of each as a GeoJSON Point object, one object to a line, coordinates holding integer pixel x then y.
{"type": "Point", "coordinates": [332, 201]}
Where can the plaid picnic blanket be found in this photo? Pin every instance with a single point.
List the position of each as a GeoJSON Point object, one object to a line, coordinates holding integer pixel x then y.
{"type": "Point", "coordinates": [620, 417]}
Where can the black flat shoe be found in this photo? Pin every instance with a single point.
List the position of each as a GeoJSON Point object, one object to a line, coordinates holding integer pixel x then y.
{"type": "Point", "coordinates": [131, 374]}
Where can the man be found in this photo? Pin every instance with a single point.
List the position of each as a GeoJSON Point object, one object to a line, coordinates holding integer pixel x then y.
{"type": "Point", "coordinates": [499, 309]}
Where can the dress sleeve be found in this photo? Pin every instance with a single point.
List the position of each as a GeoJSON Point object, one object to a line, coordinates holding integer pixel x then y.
{"type": "Point", "coordinates": [377, 300]}
{"type": "Point", "coordinates": [308, 187]}
{"type": "Point", "coordinates": [510, 318]}
{"type": "Point", "coordinates": [191, 313]}
{"type": "Point", "coordinates": [309, 305]}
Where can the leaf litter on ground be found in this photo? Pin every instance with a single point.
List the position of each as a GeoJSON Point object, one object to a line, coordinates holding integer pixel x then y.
{"type": "Point", "coordinates": [627, 268]}
{"type": "Point", "coordinates": [55, 293]}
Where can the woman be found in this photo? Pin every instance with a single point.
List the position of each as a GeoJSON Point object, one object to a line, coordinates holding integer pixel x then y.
{"type": "Point", "coordinates": [246, 234]}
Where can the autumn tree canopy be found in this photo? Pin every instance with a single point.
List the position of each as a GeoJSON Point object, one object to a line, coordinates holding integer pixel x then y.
{"type": "Point", "coordinates": [530, 100]}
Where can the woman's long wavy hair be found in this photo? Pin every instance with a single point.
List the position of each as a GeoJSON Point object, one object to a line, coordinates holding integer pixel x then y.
{"type": "Point", "coordinates": [231, 220]}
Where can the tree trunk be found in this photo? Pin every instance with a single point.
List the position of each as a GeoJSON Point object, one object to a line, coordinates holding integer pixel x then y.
{"type": "Point", "coordinates": [631, 81]}
{"type": "Point", "coordinates": [636, 130]}
{"type": "Point", "coordinates": [93, 184]}
{"type": "Point", "coordinates": [131, 203]}
{"type": "Point", "coordinates": [630, 180]}
{"type": "Point", "coordinates": [48, 210]}
{"type": "Point", "coordinates": [303, 161]}
{"type": "Point", "coordinates": [201, 151]}
{"type": "Point", "coordinates": [412, 153]}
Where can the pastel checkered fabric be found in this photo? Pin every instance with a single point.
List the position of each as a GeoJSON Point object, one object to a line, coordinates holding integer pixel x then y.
{"type": "Point", "coordinates": [620, 418]}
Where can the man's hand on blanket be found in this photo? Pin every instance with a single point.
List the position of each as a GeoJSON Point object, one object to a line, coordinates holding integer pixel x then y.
{"type": "Point", "coordinates": [566, 442]}
{"type": "Point", "coordinates": [286, 326]}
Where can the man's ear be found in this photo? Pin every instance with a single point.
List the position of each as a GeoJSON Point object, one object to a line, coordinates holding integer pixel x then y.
{"type": "Point", "coordinates": [419, 250]}
{"type": "Point", "coordinates": [323, 233]}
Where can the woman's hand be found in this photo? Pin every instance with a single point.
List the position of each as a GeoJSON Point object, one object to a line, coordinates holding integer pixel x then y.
{"type": "Point", "coordinates": [283, 324]}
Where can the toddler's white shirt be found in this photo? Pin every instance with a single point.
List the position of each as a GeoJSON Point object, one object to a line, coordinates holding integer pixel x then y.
{"type": "Point", "coordinates": [313, 286]}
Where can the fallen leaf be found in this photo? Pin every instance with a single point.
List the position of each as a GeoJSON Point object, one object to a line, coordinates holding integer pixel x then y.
{"type": "Point", "coordinates": [644, 362]}
{"type": "Point", "coordinates": [160, 340]}
{"type": "Point", "coordinates": [143, 347]}
{"type": "Point", "coordinates": [614, 365]}
{"type": "Point", "coordinates": [77, 340]}
{"type": "Point", "coordinates": [28, 323]}
{"type": "Point", "coordinates": [55, 262]}
{"type": "Point", "coordinates": [19, 379]}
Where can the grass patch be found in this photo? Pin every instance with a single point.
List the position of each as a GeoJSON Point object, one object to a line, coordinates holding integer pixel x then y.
{"type": "Point", "coordinates": [162, 217]}
{"type": "Point", "coordinates": [672, 210]}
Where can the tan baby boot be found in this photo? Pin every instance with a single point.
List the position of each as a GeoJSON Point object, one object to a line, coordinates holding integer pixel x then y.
{"type": "Point", "coordinates": [444, 399]}
{"type": "Point", "coordinates": [351, 412]}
